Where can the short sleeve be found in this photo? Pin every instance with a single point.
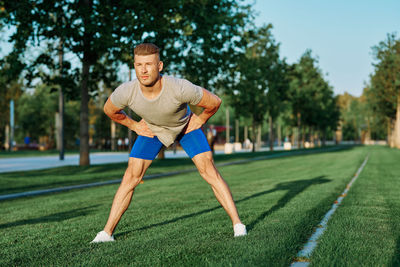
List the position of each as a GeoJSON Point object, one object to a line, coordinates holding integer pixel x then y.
{"type": "Point", "coordinates": [191, 93]}
{"type": "Point", "coordinates": [120, 96]}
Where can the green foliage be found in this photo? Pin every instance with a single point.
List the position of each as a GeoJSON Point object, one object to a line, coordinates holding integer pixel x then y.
{"type": "Point", "coordinates": [385, 81]}
{"type": "Point", "coordinates": [256, 80]}
{"type": "Point", "coordinates": [191, 34]}
{"type": "Point", "coordinates": [208, 41]}
{"type": "Point", "coordinates": [312, 101]}
{"type": "Point", "coordinates": [35, 116]}
{"type": "Point", "coordinates": [36, 113]}
{"type": "Point", "coordinates": [71, 121]}
{"type": "Point", "coordinates": [48, 70]}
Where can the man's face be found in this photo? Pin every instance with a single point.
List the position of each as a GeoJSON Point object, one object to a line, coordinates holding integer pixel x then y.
{"type": "Point", "coordinates": [148, 69]}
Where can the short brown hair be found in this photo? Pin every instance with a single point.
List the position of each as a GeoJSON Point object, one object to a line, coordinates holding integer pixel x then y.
{"type": "Point", "coordinates": [146, 49]}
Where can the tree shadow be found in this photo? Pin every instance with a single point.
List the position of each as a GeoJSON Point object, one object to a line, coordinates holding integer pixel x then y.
{"type": "Point", "coordinates": [293, 188]}
{"type": "Point", "coordinates": [396, 256]}
{"type": "Point", "coordinates": [55, 217]}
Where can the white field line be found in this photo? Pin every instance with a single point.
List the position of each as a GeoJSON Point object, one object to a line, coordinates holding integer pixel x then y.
{"type": "Point", "coordinates": [304, 255]}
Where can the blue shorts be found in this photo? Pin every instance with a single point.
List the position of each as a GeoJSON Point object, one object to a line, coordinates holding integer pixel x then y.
{"type": "Point", "coordinates": [193, 143]}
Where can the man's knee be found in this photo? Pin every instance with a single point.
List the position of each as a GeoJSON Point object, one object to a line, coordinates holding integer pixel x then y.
{"type": "Point", "coordinates": [134, 173]}
{"type": "Point", "coordinates": [131, 180]}
{"type": "Point", "coordinates": [206, 168]}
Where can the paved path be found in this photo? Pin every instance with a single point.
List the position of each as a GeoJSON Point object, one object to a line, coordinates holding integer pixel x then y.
{"type": "Point", "coordinates": [46, 162]}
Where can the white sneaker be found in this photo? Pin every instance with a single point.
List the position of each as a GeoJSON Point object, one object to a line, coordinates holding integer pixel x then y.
{"type": "Point", "coordinates": [239, 229]}
{"type": "Point", "coordinates": [103, 237]}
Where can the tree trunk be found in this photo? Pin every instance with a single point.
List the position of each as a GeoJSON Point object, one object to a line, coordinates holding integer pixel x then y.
{"type": "Point", "coordinates": [113, 134]}
{"type": "Point", "coordinates": [298, 130]}
{"type": "Point", "coordinates": [7, 138]}
{"type": "Point", "coordinates": [259, 137]}
{"type": "Point", "coordinates": [390, 132]}
{"type": "Point", "coordinates": [293, 136]}
{"type": "Point", "coordinates": [312, 138]}
{"type": "Point", "coordinates": [397, 123]}
{"type": "Point", "coordinates": [84, 116]}
{"type": "Point", "coordinates": [227, 136]}
{"type": "Point", "coordinates": [279, 132]}
{"type": "Point", "coordinates": [237, 131]}
{"type": "Point", "coordinates": [254, 137]}
{"type": "Point", "coordinates": [271, 134]}
{"type": "Point", "coordinates": [246, 133]}
{"type": "Point", "coordinates": [84, 159]}
{"type": "Point", "coordinates": [12, 125]}
{"type": "Point", "coordinates": [61, 103]}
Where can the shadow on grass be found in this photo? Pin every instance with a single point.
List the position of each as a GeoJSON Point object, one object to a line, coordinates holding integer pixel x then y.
{"type": "Point", "coordinates": [55, 185]}
{"type": "Point", "coordinates": [56, 217]}
{"type": "Point", "coordinates": [396, 255]}
{"type": "Point", "coordinates": [293, 188]}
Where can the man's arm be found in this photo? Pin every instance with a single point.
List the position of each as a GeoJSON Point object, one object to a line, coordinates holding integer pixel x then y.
{"type": "Point", "coordinates": [119, 116]}
{"type": "Point", "coordinates": [211, 104]}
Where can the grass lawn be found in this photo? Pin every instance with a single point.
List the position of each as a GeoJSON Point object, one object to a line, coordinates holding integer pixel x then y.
{"type": "Point", "coordinates": [15, 182]}
{"type": "Point", "coordinates": [176, 221]}
{"type": "Point", "coordinates": [365, 230]}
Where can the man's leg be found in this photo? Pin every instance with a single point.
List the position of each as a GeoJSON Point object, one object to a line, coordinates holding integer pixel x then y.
{"type": "Point", "coordinates": [132, 177]}
{"type": "Point", "coordinates": [142, 155]}
{"type": "Point", "coordinates": [196, 146]}
{"type": "Point", "coordinates": [205, 164]}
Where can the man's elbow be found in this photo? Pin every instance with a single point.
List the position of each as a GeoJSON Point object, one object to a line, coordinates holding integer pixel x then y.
{"type": "Point", "coordinates": [218, 102]}
{"type": "Point", "coordinates": [108, 110]}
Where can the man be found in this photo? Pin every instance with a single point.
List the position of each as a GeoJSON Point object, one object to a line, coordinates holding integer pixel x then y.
{"type": "Point", "coordinates": [162, 102]}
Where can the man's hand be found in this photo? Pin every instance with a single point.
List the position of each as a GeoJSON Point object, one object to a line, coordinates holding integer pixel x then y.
{"type": "Point", "coordinates": [194, 123]}
{"type": "Point", "coordinates": [141, 128]}
{"type": "Point", "coordinates": [119, 116]}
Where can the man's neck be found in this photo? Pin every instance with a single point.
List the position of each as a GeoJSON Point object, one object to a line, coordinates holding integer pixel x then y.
{"type": "Point", "coordinates": [152, 91]}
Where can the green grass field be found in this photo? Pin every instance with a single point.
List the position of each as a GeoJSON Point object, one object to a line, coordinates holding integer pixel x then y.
{"type": "Point", "coordinates": [176, 221]}
{"type": "Point", "coordinates": [15, 182]}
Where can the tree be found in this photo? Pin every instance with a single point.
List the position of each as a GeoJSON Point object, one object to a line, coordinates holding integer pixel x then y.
{"type": "Point", "coordinates": [352, 116]}
{"type": "Point", "coordinates": [313, 105]}
{"type": "Point", "coordinates": [254, 81]}
{"type": "Point", "coordinates": [277, 94]}
{"type": "Point", "coordinates": [36, 114]}
{"type": "Point", "coordinates": [91, 29]}
{"type": "Point", "coordinates": [384, 94]}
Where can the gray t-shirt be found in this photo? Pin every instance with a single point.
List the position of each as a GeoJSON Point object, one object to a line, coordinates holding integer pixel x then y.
{"type": "Point", "coordinates": [168, 113]}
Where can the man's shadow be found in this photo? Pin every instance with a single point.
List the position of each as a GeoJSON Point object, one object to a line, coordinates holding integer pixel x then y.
{"type": "Point", "coordinates": [293, 188]}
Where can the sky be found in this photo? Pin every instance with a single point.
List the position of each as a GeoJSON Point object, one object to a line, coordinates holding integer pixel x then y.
{"type": "Point", "coordinates": [340, 34]}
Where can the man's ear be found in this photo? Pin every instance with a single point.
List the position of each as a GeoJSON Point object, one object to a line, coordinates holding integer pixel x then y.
{"type": "Point", "coordinates": [160, 66]}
